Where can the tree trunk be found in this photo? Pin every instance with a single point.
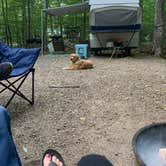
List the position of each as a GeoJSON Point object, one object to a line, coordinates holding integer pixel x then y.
{"type": "Point", "coordinates": [84, 26]}
{"type": "Point", "coordinates": [16, 26]}
{"type": "Point", "coordinates": [60, 19]}
{"type": "Point", "coordinates": [8, 27]}
{"type": "Point", "coordinates": [29, 19]}
{"type": "Point", "coordinates": [24, 23]}
{"type": "Point", "coordinates": [158, 29]}
{"type": "Point", "coordinates": [60, 25]}
{"type": "Point", "coordinates": [4, 20]}
{"type": "Point", "coordinates": [45, 22]}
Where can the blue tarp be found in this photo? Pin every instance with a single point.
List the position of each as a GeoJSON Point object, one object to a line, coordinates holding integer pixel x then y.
{"type": "Point", "coordinates": [22, 59]}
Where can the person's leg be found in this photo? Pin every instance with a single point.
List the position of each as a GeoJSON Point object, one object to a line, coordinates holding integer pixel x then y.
{"type": "Point", "coordinates": [5, 70]}
{"type": "Point", "coordinates": [8, 153]}
{"type": "Point", "coordinates": [94, 160]}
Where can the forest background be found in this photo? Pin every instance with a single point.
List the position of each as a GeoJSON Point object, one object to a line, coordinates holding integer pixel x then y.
{"type": "Point", "coordinates": [21, 20]}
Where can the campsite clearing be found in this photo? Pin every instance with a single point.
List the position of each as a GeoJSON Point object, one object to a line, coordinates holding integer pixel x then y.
{"type": "Point", "coordinates": [101, 114]}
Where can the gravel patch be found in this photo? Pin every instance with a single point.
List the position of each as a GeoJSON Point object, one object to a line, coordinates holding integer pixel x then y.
{"type": "Point", "coordinates": [99, 114]}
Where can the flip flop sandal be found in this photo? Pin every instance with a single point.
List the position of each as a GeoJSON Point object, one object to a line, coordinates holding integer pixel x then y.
{"type": "Point", "coordinates": [53, 152]}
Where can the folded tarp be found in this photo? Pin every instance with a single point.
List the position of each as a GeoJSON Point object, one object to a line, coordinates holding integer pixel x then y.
{"type": "Point", "coordinates": [113, 18]}
{"type": "Point", "coordinates": [78, 7]}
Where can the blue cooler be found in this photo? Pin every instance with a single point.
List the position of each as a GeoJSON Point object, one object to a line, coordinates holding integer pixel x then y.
{"type": "Point", "coordinates": [81, 50]}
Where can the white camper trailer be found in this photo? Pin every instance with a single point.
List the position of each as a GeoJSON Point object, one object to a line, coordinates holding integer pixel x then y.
{"type": "Point", "coordinates": [112, 21]}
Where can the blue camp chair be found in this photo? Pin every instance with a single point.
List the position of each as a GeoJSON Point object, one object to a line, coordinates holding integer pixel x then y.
{"type": "Point", "coordinates": [23, 61]}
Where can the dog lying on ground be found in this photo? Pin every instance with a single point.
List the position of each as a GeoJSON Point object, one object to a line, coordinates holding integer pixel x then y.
{"type": "Point", "coordinates": [77, 63]}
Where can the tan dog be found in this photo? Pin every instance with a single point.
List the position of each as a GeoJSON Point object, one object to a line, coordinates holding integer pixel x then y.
{"type": "Point", "coordinates": [78, 63]}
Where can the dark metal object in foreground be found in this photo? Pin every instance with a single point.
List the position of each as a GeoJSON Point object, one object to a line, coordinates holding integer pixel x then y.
{"type": "Point", "coordinates": [147, 143]}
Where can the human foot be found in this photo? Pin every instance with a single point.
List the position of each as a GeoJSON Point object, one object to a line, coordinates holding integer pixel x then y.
{"type": "Point", "coordinates": [52, 158]}
{"type": "Point", "coordinates": [51, 162]}
{"type": "Point", "coordinates": [56, 161]}
{"type": "Point", "coordinates": [47, 159]}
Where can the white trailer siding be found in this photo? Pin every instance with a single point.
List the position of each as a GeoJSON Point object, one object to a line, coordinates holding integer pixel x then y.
{"type": "Point", "coordinates": [110, 23]}
{"type": "Point", "coordinates": [100, 40]}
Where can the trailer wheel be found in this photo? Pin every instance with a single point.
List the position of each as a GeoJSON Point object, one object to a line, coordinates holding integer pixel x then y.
{"type": "Point", "coordinates": [95, 52]}
{"type": "Point", "coordinates": [127, 51]}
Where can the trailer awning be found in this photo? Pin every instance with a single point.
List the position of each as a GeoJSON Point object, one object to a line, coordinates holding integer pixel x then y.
{"type": "Point", "coordinates": [67, 9]}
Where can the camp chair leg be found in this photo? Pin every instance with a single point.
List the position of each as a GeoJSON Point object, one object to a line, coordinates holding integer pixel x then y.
{"type": "Point", "coordinates": [10, 99]}
{"type": "Point", "coordinates": [33, 86]}
{"type": "Point", "coordinates": [10, 84]}
{"type": "Point", "coordinates": [16, 90]}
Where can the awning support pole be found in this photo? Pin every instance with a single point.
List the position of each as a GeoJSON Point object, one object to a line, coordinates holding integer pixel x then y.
{"type": "Point", "coordinates": [42, 33]}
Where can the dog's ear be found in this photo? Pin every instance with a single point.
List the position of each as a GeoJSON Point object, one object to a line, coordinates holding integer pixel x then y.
{"type": "Point", "coordinates": [77, 56]}
{"type": "Point", "coordinates": [72, 55]}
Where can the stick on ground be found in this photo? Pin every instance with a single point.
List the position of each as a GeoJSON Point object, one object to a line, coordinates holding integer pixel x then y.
{"type": "Point", "coordinates": [75, 86]}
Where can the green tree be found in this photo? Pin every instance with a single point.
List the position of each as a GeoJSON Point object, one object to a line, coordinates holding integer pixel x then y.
{"type": "Point", "coordinates": [158, 30]}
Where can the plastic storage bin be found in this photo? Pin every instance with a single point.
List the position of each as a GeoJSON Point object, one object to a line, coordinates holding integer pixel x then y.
{"type": "Point", "coordinates": [81, 50]}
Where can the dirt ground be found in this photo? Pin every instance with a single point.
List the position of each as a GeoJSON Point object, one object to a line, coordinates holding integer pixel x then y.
{"type": "Point", "coordinates": [99, 112]}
